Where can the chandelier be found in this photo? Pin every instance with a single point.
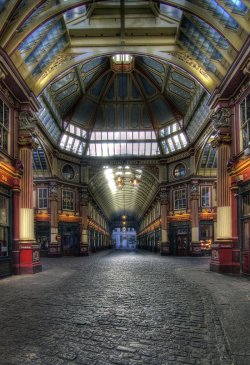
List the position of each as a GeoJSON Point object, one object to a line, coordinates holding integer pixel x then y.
{"type": "Point", "coordinates": [135, 182]}
{"type": "Point", "coordinates": [120, 182]}
{"type": "Point", "coordinates": [120, 176]}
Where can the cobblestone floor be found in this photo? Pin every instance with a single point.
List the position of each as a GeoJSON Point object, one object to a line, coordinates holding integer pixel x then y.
{"type": "Point", "coordinates": [124, 308]}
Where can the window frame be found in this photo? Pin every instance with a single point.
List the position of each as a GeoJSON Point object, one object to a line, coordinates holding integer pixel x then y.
{"type": "Point", "coordinates": [72, 198]}
{"type": "Point", "coordinates": [3, 128]}
{"type": "Point", "coordinates": [244, 123]}
{"type": "Point", "coordinates": [6, 226]}
{"type": "Point", "coordinates": [39, 199]}
{"type": "Point", "coordinates": [202, 187]}
{"type": "Point", "coordinates": [182, 198]}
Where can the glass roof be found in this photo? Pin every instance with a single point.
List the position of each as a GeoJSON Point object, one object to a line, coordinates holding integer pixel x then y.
{"type": "Point", "coordinates": [116, 90]}
{"type": "Point", "coordinates": [120, 113]}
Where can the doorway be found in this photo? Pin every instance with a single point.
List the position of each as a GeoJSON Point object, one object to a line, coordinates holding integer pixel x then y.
{"type": "Point", "coordinates": [179, 235]}
{"type": "Point", "coordinates": [70, 239]}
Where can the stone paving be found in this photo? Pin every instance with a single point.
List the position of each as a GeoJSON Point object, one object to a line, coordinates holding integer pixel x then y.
{"type": "Point", "coordinates": [121, 308]}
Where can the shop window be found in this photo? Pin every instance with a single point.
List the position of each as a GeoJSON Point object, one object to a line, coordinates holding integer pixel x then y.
{"type": "Point", "coordinates": [42, 198]}
{"type": "Point", "coordinates": [246, 205]}
{"type": "Point", "coordinates": [4, 126]}
{"type": "Point", "coordinates": [68, 200]}
{"type": "Point", "coordinates": [180, 199]}
{"type": "Point", "coordinates": [206, 236]}
{"type": "Point", "coordinates": [4, 226]}
{"type": "Point", "coordinates": [245, 121]}
{"type": "Point", "coordinates": [205, 198]}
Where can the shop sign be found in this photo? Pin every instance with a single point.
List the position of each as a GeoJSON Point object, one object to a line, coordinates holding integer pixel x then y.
{"type": "Point", "coordinates": [5, 179]}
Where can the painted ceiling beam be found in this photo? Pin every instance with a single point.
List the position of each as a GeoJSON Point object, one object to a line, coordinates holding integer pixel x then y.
{"type": "Point", "coordinates": [174, 56]}
{"type": "Point", "coordinates": [128, 41]}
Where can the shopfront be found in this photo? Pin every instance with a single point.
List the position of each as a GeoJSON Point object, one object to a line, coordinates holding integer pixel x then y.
{"type": "Point", "coordinates": [245, 228]}
{"type": "Point", "coordinates": [180, 237]}
{"type": "Point", "coordinates": [70, 238]}
{"type": "Point", "coordinates": [5, 232]}
{"type": "Point", "coordinates": [43, 236]}
{"type": "Point", "coordinates": [206, 237]}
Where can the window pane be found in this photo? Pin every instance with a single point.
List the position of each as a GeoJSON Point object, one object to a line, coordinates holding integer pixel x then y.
{"type": "Point", "coordinates": [4, 242]}
{"type": "Point", "coordinates": [4, 210]}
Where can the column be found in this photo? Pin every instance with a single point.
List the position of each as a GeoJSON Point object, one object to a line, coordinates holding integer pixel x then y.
{"type": "Point", "coordinates": [16, 218]}
{"type": "Point", "coordinates": [84, 201]}
{"type": "Point", "coordinates": [221, 260]}
{"type": "Point", "coordinates": [55, 239]}
{"type": "Point", "coordinates": [164, 201]}
{"type": "Point", "coordinates": [195, 239]}
{"type": "Point", "coordinates": [29, 249]}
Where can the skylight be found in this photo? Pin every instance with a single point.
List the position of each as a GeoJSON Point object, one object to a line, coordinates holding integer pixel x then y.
{"type": "Point", "coordinates": [123, 143]}
{"type": "Point", "coordinates": [122, 58]}
{"type": "Point", "coordinates": [72, 144]}
{"type": "Point", "coordinates": [175, 140]}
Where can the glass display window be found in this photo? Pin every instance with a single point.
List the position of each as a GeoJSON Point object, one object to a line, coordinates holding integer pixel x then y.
{"type": "Point", "coordinates": [4, 226]}
{"type": "Point", "coordinates": [206, 236]}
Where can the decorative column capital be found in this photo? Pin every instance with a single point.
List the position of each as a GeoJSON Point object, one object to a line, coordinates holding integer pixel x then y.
{"type": "Point", "coordinates": [27, 125]}
{"type": "Point", "coordinates": [164, 195]}
{"type": "Point", "coordinates": [53, 191]}
{"type": "Point", "coordinates": [221, 123]}
{"type": "Point", "coordinates": [194, 191]}
{"type": "Point", "coordinates": [18, 166]}
{"type": "Point", "coordinates": [84, 196]}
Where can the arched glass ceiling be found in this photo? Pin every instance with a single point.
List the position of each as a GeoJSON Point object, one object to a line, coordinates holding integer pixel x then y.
{"type": "Point", "coordinates": [132, 201]}
{"type": "Point", "coordinates": [172, 44]}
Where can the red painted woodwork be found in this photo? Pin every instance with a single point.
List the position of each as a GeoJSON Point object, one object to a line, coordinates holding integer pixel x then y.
{"type": "Point", "coordinates": [221, 259]}
{"type": "Point", "coordinates": [29, 259]}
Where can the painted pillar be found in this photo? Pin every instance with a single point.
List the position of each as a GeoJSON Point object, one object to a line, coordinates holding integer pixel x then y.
{"type": "Point", "coordinates": [55, 239]}
{"type": "Point", "coordinates": [195, 239]}
{"type": "Point", "coordinates": [84, 201]}
{"type": "Point", "coordinates": [29, 249]}
{"type": "Point", "coordinates": [221, 260]}
{"type": "Point", "coordinates": [164, 201]}
{"type": "Point", "coordinates": [16, 220]}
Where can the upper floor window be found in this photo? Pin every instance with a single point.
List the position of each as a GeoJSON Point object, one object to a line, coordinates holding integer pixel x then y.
{"type": "Point", "coordinates": [68, 200]}
{"type": "Point", "coordinates": [180, 199]}
{"type": "Point", "coordinates": [245, 121]}
{"type": "Point", "coordinates": [179, 170]}
{"type": "Point", "coordinates": [4, 126]}
{"type": "Point", "coordinates": [205, 196]}
{"type": "Point", "coordinates": [68, 172]}
{"type": "Point", "coordinates": [42, 198]}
